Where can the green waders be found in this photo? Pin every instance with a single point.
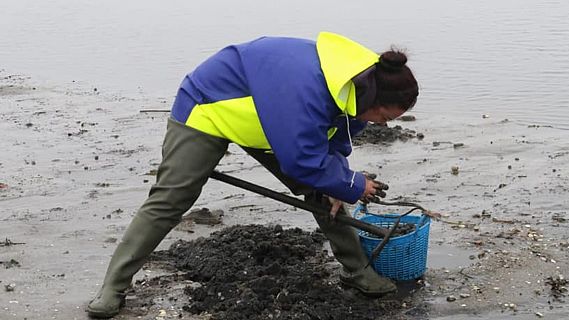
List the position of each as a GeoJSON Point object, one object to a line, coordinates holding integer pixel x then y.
{"type": "Point", "coordinates": [188, 158]}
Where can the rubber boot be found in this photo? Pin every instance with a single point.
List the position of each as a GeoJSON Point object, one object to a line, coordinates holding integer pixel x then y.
{"type": "Point", "coordinates": [367, 281]}
{"type": "Point", "coordinates": [139, 240]}
{"type": "Point", "coordinates": [188, 158]}
{"type": "Point", "coordinates": [345, 244]}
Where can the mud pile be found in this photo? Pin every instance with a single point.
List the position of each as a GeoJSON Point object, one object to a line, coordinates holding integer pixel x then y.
{"type": "Point", "coordinates": [558, 286]}
{"type": "Point", "coordinates": [382, 134]}
{"type": "Point", "coordinates": [257, 272]}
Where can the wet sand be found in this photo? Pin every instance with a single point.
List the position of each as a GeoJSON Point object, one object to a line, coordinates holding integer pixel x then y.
{"type": "Point", "coordinates": [77, 163]}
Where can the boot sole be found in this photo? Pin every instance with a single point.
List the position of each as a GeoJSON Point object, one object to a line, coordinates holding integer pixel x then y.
{"type": "Point", "coordinates": [99, 314]}
{"type": "Point", "coordinates": [370, 294]}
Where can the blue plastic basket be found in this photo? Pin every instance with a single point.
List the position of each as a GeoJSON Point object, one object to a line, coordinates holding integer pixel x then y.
{"type": "Point", "coordinates": [403, 257]}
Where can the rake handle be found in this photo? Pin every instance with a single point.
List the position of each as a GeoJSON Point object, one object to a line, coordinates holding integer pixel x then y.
{"type": "Point", "coordinates": [380, 232]}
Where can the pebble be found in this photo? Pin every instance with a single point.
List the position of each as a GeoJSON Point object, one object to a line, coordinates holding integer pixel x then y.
{"type": "Point", "coordinates": [485, 116]}
{"type": "Point", "coordinates": [539, 314]}
{"type": "Point", "coordinates": [458, 145]}
{"type": "Point", "coordinates": [511, 305]}
{"type": "Point", "coordinates": [454, 170]}
{"type": "Point", "coordinates": [407, 117]}
{"type": "Point", "coordinates": [451, 298]}
{"type": "Point", "coordinates": [465, 295]}
{"type": "Point", "coordinates": [10, 287]}
{"type": "Point", "coordinates": [111, 240]}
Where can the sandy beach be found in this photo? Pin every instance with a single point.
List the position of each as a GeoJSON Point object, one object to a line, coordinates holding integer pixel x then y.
{"type": "Point", "coordinates": [77, 163]}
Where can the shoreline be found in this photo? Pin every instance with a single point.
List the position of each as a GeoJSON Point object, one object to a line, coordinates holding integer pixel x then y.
{"type": "Point", "coordinates": [78, 163]}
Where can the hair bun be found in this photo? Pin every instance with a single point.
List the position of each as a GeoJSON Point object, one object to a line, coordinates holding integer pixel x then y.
{"type": "Point", "coordinates": [393, 60]}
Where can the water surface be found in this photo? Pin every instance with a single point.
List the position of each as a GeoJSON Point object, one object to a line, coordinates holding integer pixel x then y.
{"type": "Point", "coordinates": [505, 58]}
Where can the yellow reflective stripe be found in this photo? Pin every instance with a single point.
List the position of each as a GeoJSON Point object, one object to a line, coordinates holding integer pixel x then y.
{"type": "Point", "coordinates": [341, 59]}
{"type": "Point", "coordinates": [234, 119]}
{"type": "Point", "coordinates": [351, 101]}
{"type": "Point", "coordinates": [332, 132]}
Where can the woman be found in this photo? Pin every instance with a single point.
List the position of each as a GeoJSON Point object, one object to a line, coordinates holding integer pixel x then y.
{"type": "Point", "coordinates": [293, 105]}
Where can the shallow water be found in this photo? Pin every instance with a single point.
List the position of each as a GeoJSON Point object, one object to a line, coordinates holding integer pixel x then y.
{"type": "Point", "coordinates": [498, 57]}
{"type": "Point", "coordinates": [445, 256]}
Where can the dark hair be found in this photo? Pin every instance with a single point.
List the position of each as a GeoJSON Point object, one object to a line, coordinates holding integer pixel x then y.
{"type": "Point", "coordinates": [395, 82]}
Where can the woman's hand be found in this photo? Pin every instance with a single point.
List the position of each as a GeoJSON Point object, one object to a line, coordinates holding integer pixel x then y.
{"type": "Point", "coordinates": [373, 188]}
{"type": "Point", "coordinates": [336, 205]}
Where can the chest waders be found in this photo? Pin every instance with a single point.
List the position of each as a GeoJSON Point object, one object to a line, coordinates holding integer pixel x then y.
{"type": "Point", "coordinates": [188, 158]}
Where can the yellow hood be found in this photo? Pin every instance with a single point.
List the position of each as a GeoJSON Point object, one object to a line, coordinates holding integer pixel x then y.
{"type": "Point", "coordinates": [341, 59]}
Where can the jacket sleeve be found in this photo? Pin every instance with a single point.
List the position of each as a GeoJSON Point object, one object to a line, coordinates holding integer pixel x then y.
{"type": "Point", "coordinates": [296, 116]}
{"type": "Point", "coordinates": [301, 145]}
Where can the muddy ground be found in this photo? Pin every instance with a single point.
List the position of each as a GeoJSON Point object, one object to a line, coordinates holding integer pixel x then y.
{"type": "Point", "coordinates": [77, 163]}
{"type": "Point", "coordinates": [259, 272]}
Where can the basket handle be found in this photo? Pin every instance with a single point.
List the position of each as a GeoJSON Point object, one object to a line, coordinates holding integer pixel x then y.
{"type": "Point", "coordinates": [361, 208]}
{"type": "Point", "coordinates": [423, 220]}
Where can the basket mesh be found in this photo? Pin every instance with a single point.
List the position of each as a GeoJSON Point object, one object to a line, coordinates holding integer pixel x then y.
{"type": "Point", "coordinates": [404, 257]}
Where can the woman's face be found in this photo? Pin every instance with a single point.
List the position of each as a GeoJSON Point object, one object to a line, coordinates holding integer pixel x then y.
{"type": "Point", "coordinates": [381, 114]}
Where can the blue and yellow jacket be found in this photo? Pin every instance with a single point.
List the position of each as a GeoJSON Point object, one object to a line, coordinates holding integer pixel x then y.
{"type": "Point", "coordinates": [291, 96]}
